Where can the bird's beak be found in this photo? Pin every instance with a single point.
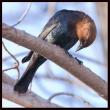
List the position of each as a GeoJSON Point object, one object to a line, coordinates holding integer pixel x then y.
{"type": "Point", "coordinates": [79, 47]}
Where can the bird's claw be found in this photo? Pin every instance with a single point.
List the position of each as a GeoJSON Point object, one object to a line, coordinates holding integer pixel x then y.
{"type": "Point", "coordinates": [79, 61]}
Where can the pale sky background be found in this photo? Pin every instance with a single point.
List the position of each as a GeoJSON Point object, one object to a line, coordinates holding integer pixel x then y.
{"type": "Point", "coordinates": [34, 22]}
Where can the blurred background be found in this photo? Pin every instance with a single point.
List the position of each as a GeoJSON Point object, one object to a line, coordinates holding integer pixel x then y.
{"type": "Point", "coordinates": [50, 78]}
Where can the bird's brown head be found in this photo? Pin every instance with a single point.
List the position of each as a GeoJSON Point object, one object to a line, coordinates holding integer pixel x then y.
{"type": "Point", "coordinates": [85, 31]}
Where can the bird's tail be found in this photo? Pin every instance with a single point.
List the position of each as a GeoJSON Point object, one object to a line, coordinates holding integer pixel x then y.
{"type": "Point", "coordinates": [22, 85]}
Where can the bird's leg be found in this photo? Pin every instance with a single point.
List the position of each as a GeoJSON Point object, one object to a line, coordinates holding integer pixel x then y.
{"type": "Point", "coordinates": [79, 61]}
{"type": "Point", "coordinates": [68, 54]}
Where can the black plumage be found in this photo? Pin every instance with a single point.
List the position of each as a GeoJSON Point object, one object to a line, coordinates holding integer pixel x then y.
{"type": "Point", "coordinates": [64, 29]}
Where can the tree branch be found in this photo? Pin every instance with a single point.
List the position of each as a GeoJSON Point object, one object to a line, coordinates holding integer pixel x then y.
{"type": "Point", "coordinates": [30, 99]}
{"type": "Point", "coordinates": [58, 56]}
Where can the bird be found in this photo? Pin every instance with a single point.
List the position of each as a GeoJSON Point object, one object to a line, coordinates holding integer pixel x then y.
{"type": "Point", "coordinates": [65, 28]}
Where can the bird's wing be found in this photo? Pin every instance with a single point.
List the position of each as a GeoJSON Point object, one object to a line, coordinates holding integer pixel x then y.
{"type": "Point", "coordinates": [47, 29]}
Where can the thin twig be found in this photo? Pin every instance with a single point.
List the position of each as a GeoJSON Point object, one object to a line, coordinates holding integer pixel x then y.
{"type": "Point", "coordinates": [69, 94]}
{"type": "Point", "coordinates": [9, 68]}
{"type": "Point", "coordinates": [17, 62]}
{"type": "Point", "coordinates": [23, 15]}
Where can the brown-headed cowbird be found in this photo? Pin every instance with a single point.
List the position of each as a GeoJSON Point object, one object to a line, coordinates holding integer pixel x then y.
{"type": "Point", "coordinates": [64, 29]}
